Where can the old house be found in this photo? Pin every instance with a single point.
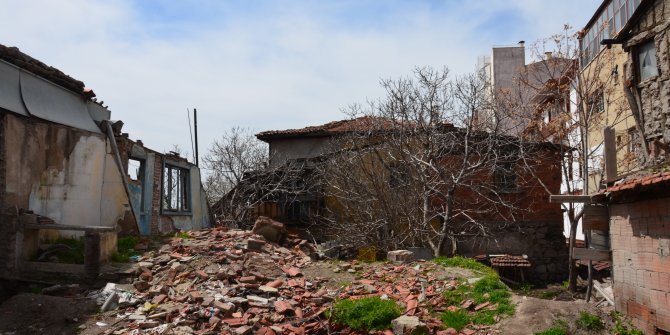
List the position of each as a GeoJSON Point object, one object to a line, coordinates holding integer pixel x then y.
{"type": "Point", "coordinates": [605, 102]}
{"type": "Point", "coordinates": [63, 172]}
{"type": "Point", "coordinates": [537, 233]}
{"type": "Point", "coordinates": [639, 220]}
{"type": "Point", "coordinates": [628, 221]}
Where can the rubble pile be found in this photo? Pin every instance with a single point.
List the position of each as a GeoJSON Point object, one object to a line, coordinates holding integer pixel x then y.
{"type": "Point", "coordinates": [229, 282]}
{"type": "Point", "coordinates": [418, 287]}
{"type": "Point", "coordinates": [222, 281]}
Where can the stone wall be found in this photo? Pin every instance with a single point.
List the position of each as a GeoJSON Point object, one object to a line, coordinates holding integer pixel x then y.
{"type": "Point", "coordinates": [640, 240]}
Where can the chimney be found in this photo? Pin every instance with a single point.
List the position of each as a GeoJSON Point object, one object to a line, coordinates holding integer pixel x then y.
{"type": "Point", "coordinates": [548, 55]}
{"type": "Point", "coordinates": [522, 43]}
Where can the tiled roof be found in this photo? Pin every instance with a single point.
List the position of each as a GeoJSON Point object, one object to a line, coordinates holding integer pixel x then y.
{"type": "Point", "coordinates": [364, 123]}
{"type": "Point", "coordinates": [640, 182]}
{"type": "Point", "coordinates": [14, 56]}
{"type": "Point", "coordinates": [509, 261]}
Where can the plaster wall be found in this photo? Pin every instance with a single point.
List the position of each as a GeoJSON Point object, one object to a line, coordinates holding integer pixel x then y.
{"type": "Point", "coordinates": [282, 150]}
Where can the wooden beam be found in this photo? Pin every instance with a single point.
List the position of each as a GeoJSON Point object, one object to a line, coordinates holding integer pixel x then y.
{"type": "Point", "coordinates": [570, 198]}
{"type": "Point", "coordinates": [591, 254]}
{"type": "Point", "coordinates": [610, 153]}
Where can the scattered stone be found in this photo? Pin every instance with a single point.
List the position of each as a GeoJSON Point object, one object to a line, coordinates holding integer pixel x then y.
{"type": "Point", "coordinates": [400, 256]}
{"type": "Point", "coordinates": [271, 230]}
{"type": "Point", "coordinates": [409, 325]}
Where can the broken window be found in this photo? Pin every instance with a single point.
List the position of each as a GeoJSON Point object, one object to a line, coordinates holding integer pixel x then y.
{"type": "Point", "coordinates": [505, 176]}
{"type": "Point", "coordinates": [176, 190]}
{"type": "Point", "coordinates": [646, 60]}
{"type": "Point", "coordinates": [135, 169]}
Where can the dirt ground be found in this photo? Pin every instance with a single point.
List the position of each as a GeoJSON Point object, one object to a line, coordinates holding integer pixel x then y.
{"type": "Point", "coordinates": [28, 313]}
{"type": "Point", "coordinates": [535, 315]}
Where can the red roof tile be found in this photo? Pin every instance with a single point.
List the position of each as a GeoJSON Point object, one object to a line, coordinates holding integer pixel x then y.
{"type": "Point", "coordinates": [364, 123]}
{"type": "Point", "coordinates": [640, 181]}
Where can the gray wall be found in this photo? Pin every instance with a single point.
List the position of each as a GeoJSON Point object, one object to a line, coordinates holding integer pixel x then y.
{"type": "Point", "coordinates": [282, 150]}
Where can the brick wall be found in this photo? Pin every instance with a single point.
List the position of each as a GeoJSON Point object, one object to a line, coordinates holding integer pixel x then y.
{"type": "Point", "coordinates": [640, 238]}
{"type": "Point", "coordinates": [156, 199]}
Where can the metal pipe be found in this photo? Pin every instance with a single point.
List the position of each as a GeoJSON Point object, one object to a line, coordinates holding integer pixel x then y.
{"type": "Point", "coordinates": [195, 130]}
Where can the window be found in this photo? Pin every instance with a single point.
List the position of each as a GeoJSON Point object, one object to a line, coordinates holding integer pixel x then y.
{"type": "Point", "coordinates": [176, 190]}
{"type": "Point", "coordinates": [610, 21]}
{"type": "Point", "coordinates": [505, 177]}
{"type": "Point", "coordinates": [634, 145]}
{"type": "Point", "coordinates": [596, 103]}
{"type": "Point", "coordinates": [646, 60]}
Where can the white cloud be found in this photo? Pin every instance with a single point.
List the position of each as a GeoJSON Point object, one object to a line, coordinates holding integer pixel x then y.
{"type": "Point", "coordinates": [264, 65]}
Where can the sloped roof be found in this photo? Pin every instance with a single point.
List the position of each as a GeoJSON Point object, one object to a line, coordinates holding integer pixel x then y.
{"type": "Point", "coordinates": [360, 124]}
{"type": "Point", "coordinates": [640, 182]}
{"type": "Point", "coordinates": [14, 56]}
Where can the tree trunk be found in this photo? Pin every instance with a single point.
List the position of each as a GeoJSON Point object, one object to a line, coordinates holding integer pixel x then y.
{"type": "Point", "coordinates": [572, 264]}
{"type": "Point", "coordinates": [443, 231]}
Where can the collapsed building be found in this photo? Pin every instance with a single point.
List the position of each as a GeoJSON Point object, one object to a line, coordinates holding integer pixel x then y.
{"type": "Point", "coordinates": [535, 242]}
{"type": "Point", "coordinates": [64, 172]}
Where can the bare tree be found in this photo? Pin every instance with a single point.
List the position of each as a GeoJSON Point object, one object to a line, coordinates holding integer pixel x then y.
{"type": "Point", "coordinates": [241, 183]}
{"type": "Point", "coordinates": [415, 170]}
{"type": "Point", "coordinates": [229, 158]}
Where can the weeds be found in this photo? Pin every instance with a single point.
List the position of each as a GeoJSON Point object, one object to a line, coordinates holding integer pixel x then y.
{"type": "Point", "coordinates": [183, 235]}
{"type": "Point", "coordinates": [457, 320]}
{"type": "Point", "coordinates": [65, 250]}
{"type": "Point", "coordinates": [589, 321]}
{"type": "Point", "coordinates": [560, 327]}
{"type": "Point", "coordinates": [125, 249]}
{"type": "Point", "coordinates": [465, 263]}
{"type": "Point", "coordinates": [488, 289]}
{"type": "Point", "coordinates": [366, 314]}
{"type": "Point", "coordinates": [621, 327]}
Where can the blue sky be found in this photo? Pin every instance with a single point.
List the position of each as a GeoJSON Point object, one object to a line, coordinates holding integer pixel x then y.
{"type": "Point", "coordinates": [261, 64]}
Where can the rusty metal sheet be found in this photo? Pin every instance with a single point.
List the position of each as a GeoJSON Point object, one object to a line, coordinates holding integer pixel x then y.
{"type": "Point", "coordinates": [51, 102]}
{"type": "Point", "coordinates": [10, 89]}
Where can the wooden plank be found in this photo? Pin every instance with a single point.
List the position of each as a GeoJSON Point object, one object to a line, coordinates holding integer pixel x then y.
{"type": "Point", "coordinates": [606, 292]}
{"type": "Point", "coordinates": [56, 226]}
{"type": "Point", "coordinates": [595, 218]}
{"type": "Point", "coordinates": [610, 153]}
{"type": "Point", "coordinates": [591, 254]}
{"type": "Point", "coordinates": [570, 198]}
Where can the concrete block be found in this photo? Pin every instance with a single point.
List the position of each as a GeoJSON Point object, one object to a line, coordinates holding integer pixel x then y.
{"type": "Point", "coordinates": [400, 256]}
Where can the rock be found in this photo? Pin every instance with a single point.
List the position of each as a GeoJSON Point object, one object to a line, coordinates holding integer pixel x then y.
{"type": "Point", "coordinates": [400, 256]}
{"type": "Point", "coordinates": [141, 285]}
{"type": "Point", "coordinates": [271, 230]}
{"type": "Point", "coordinates": [409, 325]}
{"type": "Point", "coordinates": [255, 244]}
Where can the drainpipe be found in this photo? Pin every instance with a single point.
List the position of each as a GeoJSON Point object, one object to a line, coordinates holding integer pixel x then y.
{"type": "Point", "coordinates": [117, 159]}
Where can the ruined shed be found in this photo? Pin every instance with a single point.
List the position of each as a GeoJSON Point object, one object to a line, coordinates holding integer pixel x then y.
{"type": "Point", "coordinates": [63, 167]}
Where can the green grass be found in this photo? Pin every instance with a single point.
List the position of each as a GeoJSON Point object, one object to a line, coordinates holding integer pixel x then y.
{"type": "Point", "coordinates": [487, 289]}
{"type": "Point", "coordinates": [125, 249]}
{"type": "Point", "coordinates": [589, 321]}
{"type": "Point", "coordinates": [621, 327]}
{"type": "Point", "coordinates": [366, 314]}
{"type": "Point", "coordinates": [560, 327]}
{"type": "Point", "coordinates": [182, 234]}
{"type": "Point", "coordinates": [457, 320]}
{"type": "Point", "coordinates": [465, 263]}
{"type": "Point", "coordinates": [73, 253]}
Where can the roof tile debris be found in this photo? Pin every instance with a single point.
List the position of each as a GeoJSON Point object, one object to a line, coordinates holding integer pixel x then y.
{"type": "Point", "coordinates": [335, 127]}
{"type": "Point", "coordinates": [212, 283]}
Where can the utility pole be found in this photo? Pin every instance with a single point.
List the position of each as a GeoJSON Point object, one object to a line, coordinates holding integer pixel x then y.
{"type": "Point", "coordinates": [195, 130]}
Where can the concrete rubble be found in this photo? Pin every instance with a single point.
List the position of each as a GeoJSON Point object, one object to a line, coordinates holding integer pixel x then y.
{"type": "Point", "coordinates": [223, 281]}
